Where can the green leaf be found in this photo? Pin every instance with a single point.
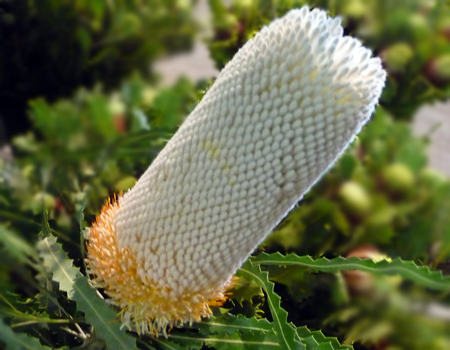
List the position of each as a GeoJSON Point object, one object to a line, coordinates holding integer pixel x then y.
{"type": "Point", "coordinates": [298, 279]}
{"type": "Point", "coordinates": [232, 341]}
{"type": "Point", "coordinates": [291, 338]}
{"type": "Point", "coordinates": [441, 225]}
{"type": "Point", "coordinates": [286, 332]}
{"type": "Point", "coordinates": [18, 341]}
{"type": "Point", "coordinates": [75, 284]}
{"type": "Point", "coordinates": [57, 263]}
{"type": "Point", "coordinates": [406, 269]}
{"type": "Point", "coordinates": [79, 215]}
{"type": "Point", "coordinates": [15, 245]}
{"type": "Point", "coordinates": [317, 340]}
{"type": "Point", "coordinates": [169, 345]}
{"type": "Point", "coordinates": [230, 323]}
{"type": "Point", "coordinates": [245, 290]}
{"type": "Point", "coordinates": [226, 332]}
{"type": "Point", "coordinates": [46, 230]}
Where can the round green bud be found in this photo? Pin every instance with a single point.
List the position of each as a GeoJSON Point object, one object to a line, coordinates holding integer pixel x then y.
{"type": "Point", "coordinates": [125, 183]}
{"type": "Point", "coordinates": [398, 177]}
{"type": "Point", "coordinates": [397, 56]}
{"type": "Point", "coordinates": [355, 198]}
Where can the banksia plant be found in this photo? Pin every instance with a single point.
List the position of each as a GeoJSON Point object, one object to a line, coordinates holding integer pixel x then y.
{"type": "Point", "coordinates": [277, 117]}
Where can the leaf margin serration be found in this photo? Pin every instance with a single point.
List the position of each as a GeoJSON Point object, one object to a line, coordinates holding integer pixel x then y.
{"type": "Point", "coordinates": [71, 281]}
{"type": "Point", "coordinates": [19, 341]}
{"type": "Point", "coordinates": [291, 340]}
{"type": "Point", "coordinates": [406, 269]}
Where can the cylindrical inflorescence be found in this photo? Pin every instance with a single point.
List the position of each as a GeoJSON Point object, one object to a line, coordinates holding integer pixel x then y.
{"type": "Point", "coordinates": [277, 117]}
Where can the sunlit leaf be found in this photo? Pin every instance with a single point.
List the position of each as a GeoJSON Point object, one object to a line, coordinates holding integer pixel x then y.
{"type": "Point", "coordinates": [75, 284]}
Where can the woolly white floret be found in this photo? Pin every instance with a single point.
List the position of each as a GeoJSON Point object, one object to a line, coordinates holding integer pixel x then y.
{"type": "Point", "coordinates": [276, 118]}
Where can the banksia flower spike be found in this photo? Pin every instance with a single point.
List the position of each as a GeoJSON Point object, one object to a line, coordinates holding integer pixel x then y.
{"type": "Point", "coordinates": [277, 117]}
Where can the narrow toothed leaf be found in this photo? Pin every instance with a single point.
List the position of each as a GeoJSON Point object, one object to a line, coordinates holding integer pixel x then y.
{"type": "Point", "coordinates": [286, 332]}
{"type": "Point", "coordinates": [230, 324]}
{"type": "Point", "coordinates": [230, 341]}
{"type": "Point", "coordinates": [96, 311]}
{"type": "Point", "coordinates": [18, 341]}
{"type": "Point", "coordinates": [59, 265]}
{"type": "Point", "coordinates": [313, 340]}
{"type": "Point", "coordinates": [407, 269]}
{"type": "Point", "coordinates": [277, 117]}
{"type": "Point", "coordinates": [316, 340]}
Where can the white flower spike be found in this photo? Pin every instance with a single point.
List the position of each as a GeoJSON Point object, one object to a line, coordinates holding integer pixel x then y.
{"type": "Point", "coordinates": [277, 117]}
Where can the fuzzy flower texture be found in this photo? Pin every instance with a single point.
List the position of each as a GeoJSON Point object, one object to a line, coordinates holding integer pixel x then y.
{"type": "Point", "coordinates": [277, 117]}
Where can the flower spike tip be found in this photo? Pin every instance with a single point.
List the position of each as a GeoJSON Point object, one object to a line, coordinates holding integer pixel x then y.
{"type": "Point", "coordinates": [278, 116]}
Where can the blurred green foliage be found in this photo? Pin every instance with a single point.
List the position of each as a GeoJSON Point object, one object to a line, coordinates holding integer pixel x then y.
{"type": "Point", "coordinates": [94, 127]}
{"type": "Point", "coordinates": [52, 47]}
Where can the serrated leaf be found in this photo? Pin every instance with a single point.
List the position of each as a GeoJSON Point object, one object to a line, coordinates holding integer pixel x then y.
{"type": "Point", "coordinates": [18, 341]}
{"type": "Point", "coordinates": [245, 290]}
{"type": "Point", "coordinates": [233, 341]}
{"type": "Point", "coordinates": [306, 339]}
{"type": "Point", "coordinates": [286, 332]}
{"type": "Point", "coordinates": [228, 332]}
{"type": "Point", "coordinates": [317, 340]}
{"type": "Point", "coordinates": [96, 310]}
{"type": "Point", "coordinates": [57, 263]}
{"type": "Point", "coordinates": [407, 269]}
{"type": "Point", "coordinates": [230, 323]}
{"type": "Point", "coordinates": [298, 279]}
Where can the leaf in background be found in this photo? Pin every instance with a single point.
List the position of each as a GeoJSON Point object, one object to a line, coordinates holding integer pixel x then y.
{"type": "Point", "coordinates": [15, 245]}
{"type": "Point", "coordinates": [100, 116]}
{"type": "Point", "coordinates": [297, 279]}
{"type": "Point", "coordinates": [171, 106]}
{"type": "Point", "coordinates": [96, 311]}
{"type": "Point", "coordinates": [412, 241]}
{"type": "Point", "coordinates": [18, 341]}
{"type": "Point", "coordinates": [285, 331]}
{"type": "Point", "coordinates": [139, 121]}
{"type": "Point", "coordinates": [406, 269]}
{"type": "Point", "coordinates": [42, 116]}
{"type": "Point", "coordinates": [441, 226]}
{"type": "Point", "coordinates": [412, 153]}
